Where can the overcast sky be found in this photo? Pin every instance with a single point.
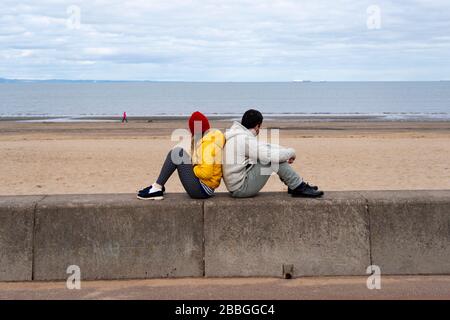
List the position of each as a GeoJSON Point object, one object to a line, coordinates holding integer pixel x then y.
{"type": "Point", "coordinates": [234, 40]}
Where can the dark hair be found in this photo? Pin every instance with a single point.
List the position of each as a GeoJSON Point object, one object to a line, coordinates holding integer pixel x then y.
{"type": "Point", "coordinates": [251, 118]}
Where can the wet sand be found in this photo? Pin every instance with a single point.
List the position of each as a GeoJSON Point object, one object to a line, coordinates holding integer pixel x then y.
{"type": "Point", "coordinates": [111, 157]}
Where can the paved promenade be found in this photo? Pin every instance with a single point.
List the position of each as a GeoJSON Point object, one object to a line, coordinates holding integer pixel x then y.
{"type": "Point", "coordinates": [392, 287]}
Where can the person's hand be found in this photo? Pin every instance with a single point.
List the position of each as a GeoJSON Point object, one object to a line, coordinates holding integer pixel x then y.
{"type": "Point", "coordinates": [291, 160]}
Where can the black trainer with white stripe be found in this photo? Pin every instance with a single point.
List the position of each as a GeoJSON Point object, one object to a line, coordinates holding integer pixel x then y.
{"type": "Point", "coordinates": [147, 194]}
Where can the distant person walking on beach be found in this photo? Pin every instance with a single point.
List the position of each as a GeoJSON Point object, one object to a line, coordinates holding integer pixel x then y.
{"type": "Point", "coordinates": [244, 159]}
{"type": "Point", "coordinates": [124, 117]}
{"type": "Point", "coordinates": [199, 164]}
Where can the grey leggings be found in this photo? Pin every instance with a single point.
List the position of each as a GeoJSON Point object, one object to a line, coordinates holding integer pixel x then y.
{"type": "Point", "coordinates": [185, 170]}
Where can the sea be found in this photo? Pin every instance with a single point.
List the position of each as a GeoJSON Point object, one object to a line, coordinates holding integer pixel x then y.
{"type": "Point", "coordinates": [68, 101]}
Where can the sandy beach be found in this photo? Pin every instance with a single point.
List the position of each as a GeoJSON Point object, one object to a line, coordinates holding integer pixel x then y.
{"type": "Point", "coordinates": [111, 157]}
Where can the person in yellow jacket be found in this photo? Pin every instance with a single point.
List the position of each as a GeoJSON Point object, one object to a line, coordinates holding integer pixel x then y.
{"type": "Point", "coordinates": [200, 170]}
{"type": "Point", "coordinates": [208, 158]}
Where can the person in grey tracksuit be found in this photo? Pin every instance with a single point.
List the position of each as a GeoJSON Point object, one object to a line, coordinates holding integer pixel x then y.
{"type": "Point", "coordinates": [248, 163]}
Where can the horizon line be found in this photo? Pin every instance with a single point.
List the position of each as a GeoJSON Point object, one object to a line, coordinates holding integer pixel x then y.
{"type": "Point", "coordinates": [3, 80]}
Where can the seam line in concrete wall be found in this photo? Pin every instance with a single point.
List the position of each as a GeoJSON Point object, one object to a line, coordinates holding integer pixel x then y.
{"type": "Point", "coordinates": [33, 255]}
{"type": "Point", "coordinates": [370, 225]}
{"type": "Point", "coordinates": [203, 240]}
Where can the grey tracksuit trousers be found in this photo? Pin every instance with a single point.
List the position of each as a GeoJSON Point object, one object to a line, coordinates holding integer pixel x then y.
{"type": "Point", "coordinates": [255, 180]}
{"type": "Point", "coordinates": [190, 182]}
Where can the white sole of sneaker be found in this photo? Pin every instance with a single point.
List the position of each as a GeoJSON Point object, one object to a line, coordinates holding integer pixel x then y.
{"type": "Point", "coordinates": [153, 198]}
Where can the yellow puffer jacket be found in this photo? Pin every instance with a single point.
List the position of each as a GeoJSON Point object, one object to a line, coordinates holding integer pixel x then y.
{"type": "Point", "coordinates": [208, 158]}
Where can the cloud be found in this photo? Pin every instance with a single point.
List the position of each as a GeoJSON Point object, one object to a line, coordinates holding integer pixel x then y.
{"type": "Point", "coordinates": [234, 40]}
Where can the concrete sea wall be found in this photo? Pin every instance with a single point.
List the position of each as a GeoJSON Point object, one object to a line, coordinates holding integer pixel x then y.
{"type": "Point", "coordinates": [116, 236]}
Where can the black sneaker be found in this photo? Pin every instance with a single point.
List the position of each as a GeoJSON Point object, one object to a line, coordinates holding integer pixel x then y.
{"type": "Point", "coordinates": [147, 190]}
{"type": "Point", "coordinates": [145, 194]}
{"type": "Point", "coordinates": [314, 187]}
{"type": "Point", "coordinates": [307, 191]}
